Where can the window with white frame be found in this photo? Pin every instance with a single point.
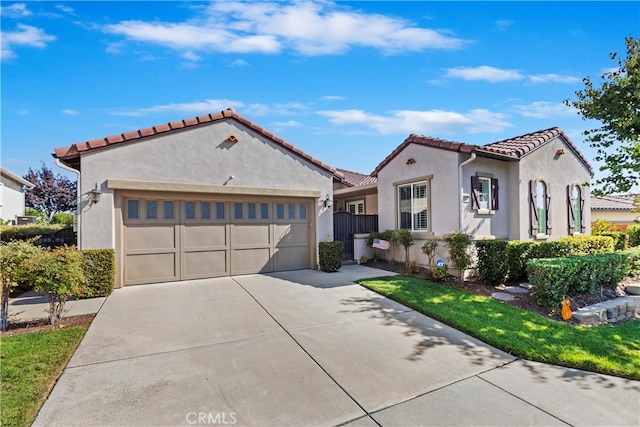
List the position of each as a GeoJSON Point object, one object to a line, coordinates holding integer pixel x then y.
{"type": "Point", "coordinates": [412, 206]}
{"type": "Point", "coordinates": [575, 203]}
{"type": "Point", "coordinates": [484, 193]}
{"type": "Point", "coordinates": [356, 208]}
{"type": "Point", "coordinates": [540, 208]}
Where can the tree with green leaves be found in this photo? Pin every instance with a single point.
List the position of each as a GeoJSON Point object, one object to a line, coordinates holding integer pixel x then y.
{"type": "Point", "coordinates": [616, 105]}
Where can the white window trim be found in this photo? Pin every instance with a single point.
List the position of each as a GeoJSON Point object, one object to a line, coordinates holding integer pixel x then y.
{"type": "Point", "coordinates": [427, 183]}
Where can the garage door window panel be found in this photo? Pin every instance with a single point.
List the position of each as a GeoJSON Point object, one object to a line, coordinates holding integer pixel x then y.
{"type": "Point", "coordinates": [152, 208]}
{"type": "Point", "coordinates": [280, 210]}
{"type": "Point", "coordinates": [264, 211]}
{"type": "Point", "coordinates": [168, 209]}
{"type": "Point", "coordinates": [133, 209]}
{"type": "Point", "coordinates": [205, 210]}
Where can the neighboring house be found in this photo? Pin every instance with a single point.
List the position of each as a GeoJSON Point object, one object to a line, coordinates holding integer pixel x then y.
{"type": "Point", "coordinates": [617, 209]}
{"type": "Point", "coordinates": [530, 187]}
{"type": "Point", "coordinates": [203, 197]}
{"type": "Point", "coordinates": [355, 193]}
{"type": "Point", "coordinates": [12, 188]}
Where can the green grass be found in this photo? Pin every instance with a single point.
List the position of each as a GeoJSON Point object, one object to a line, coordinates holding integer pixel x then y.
{"type": "Point", "coordinates": [30, 366]}
{"type": "Point", "coordinates": [612, 350]}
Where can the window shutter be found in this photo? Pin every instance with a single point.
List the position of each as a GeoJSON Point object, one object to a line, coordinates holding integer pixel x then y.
{"type": "Point", "coordinates": [494, 194]}
{"type": "Point", "coordinates": [475, 192]}
{"type": "Point", "coordinates": [572, 215]}
{"type": "Point", "coordinates": [533, 212]}
{"type": "Point", "coordinates": [582, 199]}
{"type": "Point", "coordinates": [548, 208]}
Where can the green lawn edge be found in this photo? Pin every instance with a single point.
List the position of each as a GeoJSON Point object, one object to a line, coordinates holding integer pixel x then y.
{"type": "Point", "coordinates": [612, 350]}
{"type": "Point", "coordinates": [29, 367]}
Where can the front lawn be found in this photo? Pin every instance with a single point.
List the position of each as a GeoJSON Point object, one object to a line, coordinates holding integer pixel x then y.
{"type": "Point", "coordinates": [612, 350]}
{"type": "Point", "coordinates": [31, 364]}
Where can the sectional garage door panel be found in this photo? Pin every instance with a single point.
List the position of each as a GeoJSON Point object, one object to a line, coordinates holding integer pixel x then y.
{"type": "Point", "coordinates": [167, 240]}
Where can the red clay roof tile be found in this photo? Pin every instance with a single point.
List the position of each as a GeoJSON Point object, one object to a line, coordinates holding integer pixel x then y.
{"type": "Point", "coordinates": [355, 179]}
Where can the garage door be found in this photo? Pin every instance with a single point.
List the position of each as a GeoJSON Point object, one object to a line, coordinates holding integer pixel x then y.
{"type": "Point", "coordinates": [172, 239]}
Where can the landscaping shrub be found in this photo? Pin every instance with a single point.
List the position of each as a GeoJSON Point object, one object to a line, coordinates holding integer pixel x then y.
{"type": "Point", "coordinates": [633, 256]}
{"type": "Point", "coordinates": [23, 232]}
{"type": "Point", "coordinates": [14, 260]}
{"type": "Point", "coordinates": [518, 253]}
{"type": "Point", "coordinates": [574, 245]}
{"type": "Point", "coordinates": [64, 218]}
{"type": "Point", "coordinates": [59, 274]}
{"type": "Point", "coordinates": [439, 274]}
{"type": "Point", "coordinates": [404, 238]}
{"type": "Point", "coordinates": [634, 235]}
{"type": "Point", "coordinates": [331, 254]}
{"type": "Point", "coordinates": [619, 238]}
{"type": "Point", "coordinates": [99, 271]}
{"type": "Point", "coordinates": [493, 264]}
{"type": "Point", "coordinates": [459, 244]}
{"type": "Point", "coordinates": [554, 279]}
{"type": "Point", "coordinates": [429, 249]}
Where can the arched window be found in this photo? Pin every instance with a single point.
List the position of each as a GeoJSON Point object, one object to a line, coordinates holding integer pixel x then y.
{"type": "Point", "coordinates": [541, 206]}
{"type": "Point", "coordinates": [575, 203]}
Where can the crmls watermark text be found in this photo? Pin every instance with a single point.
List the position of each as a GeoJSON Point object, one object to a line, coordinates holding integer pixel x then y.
{"type": "Point", "coordinates": [220, 418]}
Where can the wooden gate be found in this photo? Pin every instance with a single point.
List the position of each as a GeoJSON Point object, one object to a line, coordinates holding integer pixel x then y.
{"type": "Point", "coordinates": [346, 225]}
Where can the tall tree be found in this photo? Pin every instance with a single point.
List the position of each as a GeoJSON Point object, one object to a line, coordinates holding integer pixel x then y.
{"type": "Point", "coordinates": [52, 193]}
{"type": "Point", "coordinates": [616, 105]}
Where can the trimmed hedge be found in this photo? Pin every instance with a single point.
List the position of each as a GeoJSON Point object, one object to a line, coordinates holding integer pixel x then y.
{"type": "Point", "coordinates": [634, 235]}
{"type": "Point", "coordinates": [554, 279]}
{"type": "Point", "coordinates": [331, 254]}
{"type": "Point", "coordinates": [99, 270]}
{"type": "Point", "coordinates": [619, 238]}
{"type": "Point", "coordinates": [22, 232]}
{"type": "Point", "coordinates": [493, 265]}
{"type": "Point", "coordinates": [493, 254]}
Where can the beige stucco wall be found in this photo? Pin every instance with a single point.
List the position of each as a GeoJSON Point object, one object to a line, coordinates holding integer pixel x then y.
{"type": "Point", "coordinates": [622, 219]}
{"type": "Point", "coordinates": [494, 224]}
{"type": "Point", "coordinates": [199, 155]}
{"type": "Point", "coordinates": [11, 199]}
{"type": "Point", "coordinates": [557, 171]}
{"type": "Point", "coordinates": [442, 166]}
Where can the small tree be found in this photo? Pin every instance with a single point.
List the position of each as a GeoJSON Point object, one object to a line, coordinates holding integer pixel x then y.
{"type": "Point", "coordinates": [459, 244]}
{"type": "Point", "coordinates": [60, 275]}
{"type": "Point", "coordinates": [602, 225]}
{"type": "Point", "coordinates": [429, 249]}
{"type": "Point", "coordinates": [14, 258]}
{"type": "Point", "coordinates": [52, 193]}
{"type": "Point", "coordinates": [404, 238]}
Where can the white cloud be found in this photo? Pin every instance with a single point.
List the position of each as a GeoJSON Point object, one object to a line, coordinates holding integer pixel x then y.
{"type": "Point", "coordinates": [65, 9]}
{"type": "Point", "coordinates": [425, 122]}
{"type": "Point", "coordinates": [190, 56]}
{"type": "Point", "coordinates": [333, 98]}
{"type": "Point", "coordinates": [16, 10]}
{"type": "Point", "coordinates": [503, 24]}
{"type": "Point", "coordinates": [26, 35]}
{"type": "Point", "coordinates": [544, 110]}
{"type": "Point", "coordinates": [304, 27]}
{"type": "Point", "coordinates": [552, 78]}
{"type": "Point", "coordinates": [288, 123]}
{"type": "Point", "coordinates": [114, 48]}
{"type": "Point", "coordinates": [71, 112]}
{"type": "Point", "coordinates": [484, 72]}
{"type": "Point", "coordinates": [238, 63]}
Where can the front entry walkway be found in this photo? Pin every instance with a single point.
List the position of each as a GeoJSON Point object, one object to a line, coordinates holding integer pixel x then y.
{"type": "Point", "coordinates": [307, 348]}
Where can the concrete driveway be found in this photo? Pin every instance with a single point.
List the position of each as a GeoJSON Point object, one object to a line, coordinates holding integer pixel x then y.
{"type": "Point", "coordinates": [307, 348]}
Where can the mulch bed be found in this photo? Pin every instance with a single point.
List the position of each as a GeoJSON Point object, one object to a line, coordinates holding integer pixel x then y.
{"type": "Point", "coordinates": [522, 301]}
{"type": "Point", "coordinates": [44, 325]}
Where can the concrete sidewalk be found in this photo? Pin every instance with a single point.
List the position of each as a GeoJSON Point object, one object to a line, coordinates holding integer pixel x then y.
{"type": "Point", "coordinates": [306, 348]}
{"type": "Point", "coordinates": [32, 306]}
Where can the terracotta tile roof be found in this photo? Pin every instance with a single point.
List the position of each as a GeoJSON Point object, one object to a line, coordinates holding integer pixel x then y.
{"type": "Point", "coordinates": [426, 141]}
{"type": "Point", "coordinates": [517, 147]}
{"type": "Point", "coordinates": [613, 203]}
{"type": "Point", "coordinates": [71, 154]}
{"type": "Point", "coordinates": [355, 179]}
{"type": "Point", "coordinates": [509, 149]}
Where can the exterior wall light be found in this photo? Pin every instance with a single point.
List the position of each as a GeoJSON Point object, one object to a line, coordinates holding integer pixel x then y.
{"type": "Point", "coordinates": [327, 202]}
{"type": "Point", "coordinates": [94, 195]}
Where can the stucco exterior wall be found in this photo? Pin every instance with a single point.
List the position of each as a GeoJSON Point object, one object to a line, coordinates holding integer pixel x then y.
{"type": "Point", "coordinates": [198, 155]}
{"type": "Point", "coordinates": [495, 223]}
{"type": "Point", "coordinates": [557, 171]}
{"type": "Point", "coordinates": [11, 199]}
{"type": "Point", "coordinates": [621, 219]}
{"type": "Point", "coordinates": [442, 166]}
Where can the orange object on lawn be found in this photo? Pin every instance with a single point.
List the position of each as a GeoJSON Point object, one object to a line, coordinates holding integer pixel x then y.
{"type": "Point", "coordinates": [566, 310]}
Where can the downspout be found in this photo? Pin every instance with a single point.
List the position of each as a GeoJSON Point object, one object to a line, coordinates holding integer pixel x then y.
{"type": "Point", "coordinates": [466, 162]}
{"type": "Point", "coordinates": [78, 198]}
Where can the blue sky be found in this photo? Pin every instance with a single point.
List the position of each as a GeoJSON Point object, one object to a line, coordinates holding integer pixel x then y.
{"type": "Point", "coordinates": [345, 81]}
